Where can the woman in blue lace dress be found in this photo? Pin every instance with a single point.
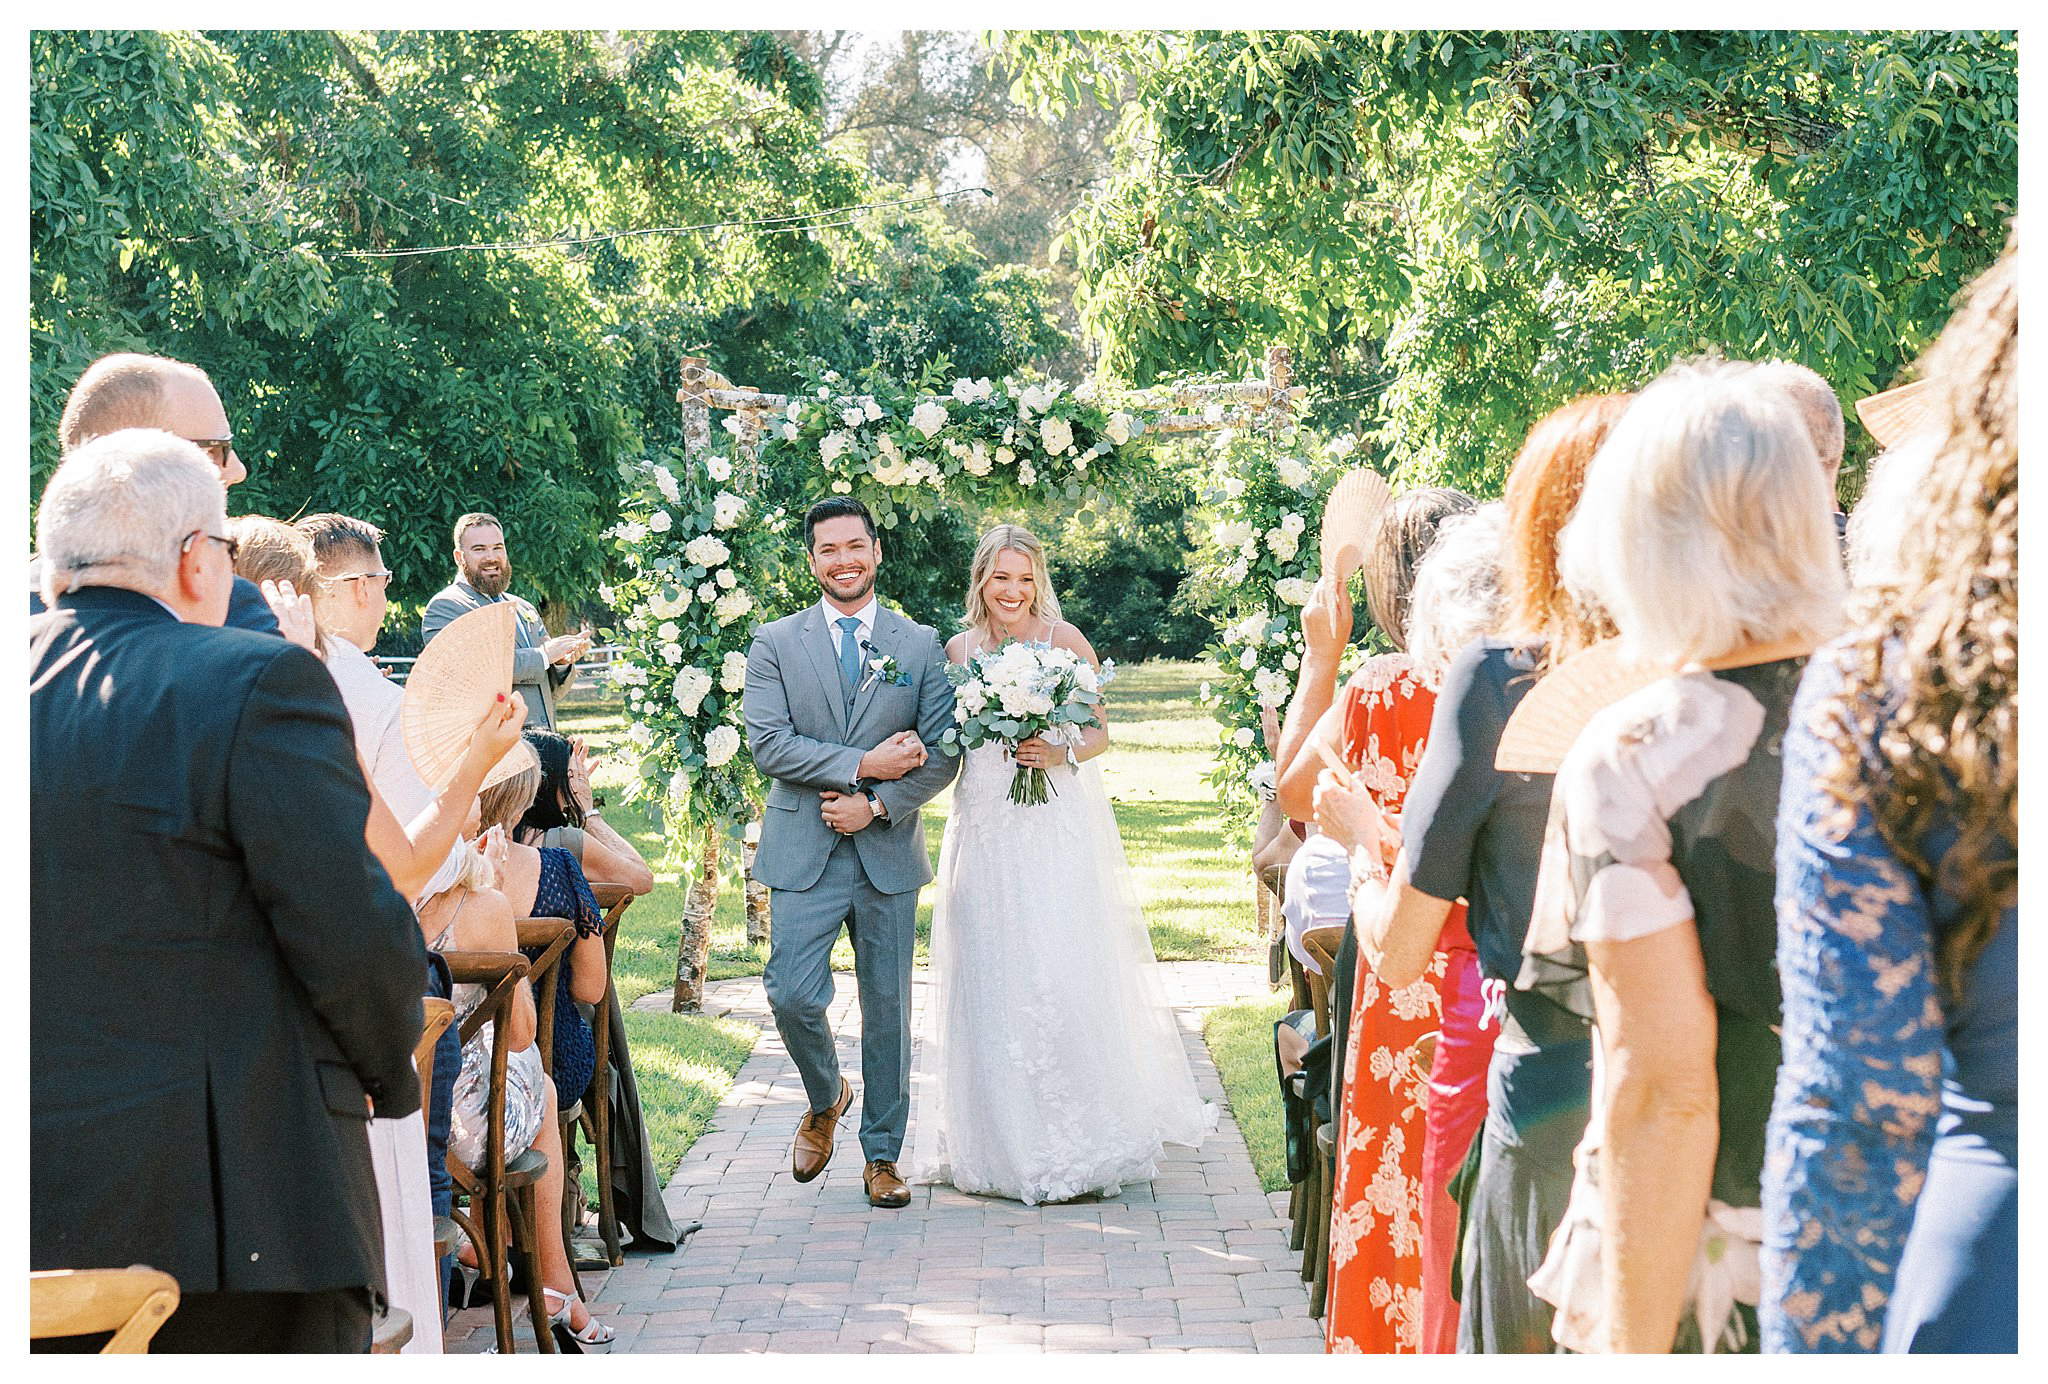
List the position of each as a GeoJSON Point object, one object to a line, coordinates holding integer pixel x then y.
{"type": "Point", "coordinates": [1891, 1190]}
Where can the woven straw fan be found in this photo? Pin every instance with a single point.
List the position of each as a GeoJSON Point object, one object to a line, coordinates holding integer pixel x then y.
{"type": "Point", "coordinates": [1543, 727]}
{"type": "Point", "coordinates": [1351, 516]}
{"type": "Point", "coordinates": [1897, 414]}
{"type": "Point", "coordinates": [458, 677]}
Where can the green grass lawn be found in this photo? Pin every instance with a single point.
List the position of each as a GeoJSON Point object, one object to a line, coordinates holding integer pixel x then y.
{"type": "Point", "coordinates": [1193, 887]}
{"type": "Point", "coordinates": [1240, 1038]}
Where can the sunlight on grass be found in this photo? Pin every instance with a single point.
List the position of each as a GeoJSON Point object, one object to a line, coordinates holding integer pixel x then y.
{"type": "Point", "coordinates": [1240, 1038]}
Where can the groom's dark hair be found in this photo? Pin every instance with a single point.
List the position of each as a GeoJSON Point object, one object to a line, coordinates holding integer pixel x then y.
{"type": "Point", "coordinates": [837, 507]}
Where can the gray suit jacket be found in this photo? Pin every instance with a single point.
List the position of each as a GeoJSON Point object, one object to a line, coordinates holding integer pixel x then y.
{"type": "Point", "coordinates": [806, 738]}
{"type": "Point", "coordinates": [532, 677]}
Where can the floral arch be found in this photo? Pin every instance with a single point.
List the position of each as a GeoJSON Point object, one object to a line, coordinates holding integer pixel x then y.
{"type": "Point", "coordinates": [698, 545]}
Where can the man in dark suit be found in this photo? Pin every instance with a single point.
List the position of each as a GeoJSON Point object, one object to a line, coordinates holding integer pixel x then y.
{"type": "Point", "coordinates": [223, 982]}
{"type": "Point", "coordinates": [541, 666]}
{"type": "Point", "coordinates": [126, 390]}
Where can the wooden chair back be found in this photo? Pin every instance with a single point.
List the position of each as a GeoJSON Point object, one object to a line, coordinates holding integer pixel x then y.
{"type": "Point", "coordinates": [132, 1303]}
{"type": "Point", "coordinates": [596, 1119]}
{"type": "Point", "coordinates": [438, 1014]}
{"type": "Point", "coordinates": [1322, 944]}
{"type": "Point", "coordinates": [551, 937]}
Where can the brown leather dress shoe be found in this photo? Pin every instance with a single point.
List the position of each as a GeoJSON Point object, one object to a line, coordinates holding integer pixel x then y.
{"type": "Point", "coordinates": [885, 1188]}
{"type": "Point", "coordinates": [814, 1136]}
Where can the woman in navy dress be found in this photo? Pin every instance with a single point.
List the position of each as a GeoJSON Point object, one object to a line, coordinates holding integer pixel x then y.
{"type": "Point", "coordinates": [1891, 1190]}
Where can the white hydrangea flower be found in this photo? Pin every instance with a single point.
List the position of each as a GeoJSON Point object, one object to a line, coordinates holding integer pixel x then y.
{"type": "Point", "coordinates": [679, 785]}
{"type": "Point", "coordinates": [1292, 663]}
{"type": "Point", "coordinates": [706, 551]}
{"type": "Point", "coordinates": [668, 633]}
{"type": "Point", "coordinates": [732, 605]}
{"type": "Point", "coordinates": [732, 673]}
{"type": "Point", "coordinates": [1233, 533]}
{"type": "Point", "coordinates": [606, 594]}
{"type": "Point", "coordinates": [977, 461]}
{"type": "Point", "coordinates": [1236, 572]}
{"type": "Point", "coordinates": [691, 685]}
{"type": "Point", "coordinates": [707, 592]}
{"type": "Point", "coordinates": [1056, 434]}
{"type": "Point", "coordinates": [928, 417]}
{"type": "Point", "coordinates": [1270, 686]}
{"type": "Point", "coordinates": [1284, 544]}
{"type": "Point", "coordinates": [628, 531]}
{"type": "Point", "coordinates": [639, 735]}
{"type": "Point", "coordinates": [720, 746]}
{"type": "Point", "coordinates": [831, 445]}
{"type": "Point", "coordinates": [665, 481]}
{"type": "Point", "coordinates": [661, 521]}
{"type": "Point", "coordinates": [1027, 474]}
{"type": "Point", "coordinates": [1293, 590]}
{"type": "Point", "coordinates": [1292, 473]}
{"type": "Point", "coordinates": [727, 509]}
{"type": "Point", "coordinates": [719, 469]}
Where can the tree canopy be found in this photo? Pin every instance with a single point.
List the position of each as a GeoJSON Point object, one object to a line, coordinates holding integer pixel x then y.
{"type": "Point", "coordinates": [1457, 230]}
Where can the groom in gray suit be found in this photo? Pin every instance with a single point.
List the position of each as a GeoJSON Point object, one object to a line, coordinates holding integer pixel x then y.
{"type": "Point", "coordinates": [843, 698]}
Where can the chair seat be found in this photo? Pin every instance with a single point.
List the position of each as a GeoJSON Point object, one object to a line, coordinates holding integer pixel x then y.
{"type": "Point", "coordinates": [391, 1332]}
{"type": "Point", "coordinates": [447, 1236]}
{"type": "Point", "coordinates": [1325, 1140]}
{"type": "Point", "coordinates": [525, 1170]}
{"type": "Point", "coordinates": [573, 1113]}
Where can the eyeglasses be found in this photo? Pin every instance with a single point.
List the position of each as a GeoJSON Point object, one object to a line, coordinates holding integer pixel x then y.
{"type": "Point", "coordinates": [219, 448]}
{"type": "Point", "coordinates": [233, 546]}
{"type": "Point", "coordinates": [383, 575]}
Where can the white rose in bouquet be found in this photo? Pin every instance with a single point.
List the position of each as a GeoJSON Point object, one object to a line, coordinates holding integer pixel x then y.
{"type": "Point", "coordinates": [1249, 659]}
{"type": "Point", "coordinates": [871, 411]}
{"type": "Point", "coordinates": [706, 551]}
{"type": "Point", "coordinates": [1271, 687]}
{"type": "Point", "coordinates": [1004, 456]}
{"type": "Point", "coordinates": [977, 461]}
{"type": "Point", "coordinates": [1242, 737]}
{"type": "Point", "coordinates": [671, 654]}
{"type": "Point", "coordinates": [1232, 534]}
{"type": "Point", "coordinates": [732, 673]}
{"type": "Point", "coordinates": [691, 685]}
{"type": "Point", "coordinates": [735, 425]}
{"type": "Point", "coordinates": [1293, 523]}
{"type": "Point", "coordinates": [720, 746]}
{"type": "Point", "coordinates": [707, 592]}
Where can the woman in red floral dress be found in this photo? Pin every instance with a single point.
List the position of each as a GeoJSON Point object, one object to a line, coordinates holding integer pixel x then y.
{"type": "Point", "coordinates": [1379, 724]}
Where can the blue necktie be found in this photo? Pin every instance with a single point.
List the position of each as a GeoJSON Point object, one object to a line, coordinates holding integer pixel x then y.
{"type": "Point", "coordinates": [849, 651]}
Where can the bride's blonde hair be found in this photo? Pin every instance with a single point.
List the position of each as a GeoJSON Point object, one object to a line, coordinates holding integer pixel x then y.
{"type": "Point", "coordinates": [1008, 538]}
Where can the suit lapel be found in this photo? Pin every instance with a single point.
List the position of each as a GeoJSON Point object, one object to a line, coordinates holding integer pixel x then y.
{"type": "Point", "coordinates": [817, 637]}
{"type": "Point", "coordinates": [884, 640]}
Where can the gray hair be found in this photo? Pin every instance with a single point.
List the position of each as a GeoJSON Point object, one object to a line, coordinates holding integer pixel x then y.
{"type": "Point", "coordinates": [1706, 521]}
{"type": "Point", "coordinates": [1457, 594]}
{"type": "Point", "coordinates": [126, 501]}
{"type": "Point", "coordinates": [1819, 407]}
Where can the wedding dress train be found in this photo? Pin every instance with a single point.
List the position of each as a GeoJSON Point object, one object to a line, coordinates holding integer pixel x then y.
{"type": "Point", "coordinates": [1052, 1065]}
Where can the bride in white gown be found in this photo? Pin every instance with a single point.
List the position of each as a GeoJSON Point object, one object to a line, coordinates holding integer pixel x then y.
{"type": "Point", "coordinates": [1051, 1064]}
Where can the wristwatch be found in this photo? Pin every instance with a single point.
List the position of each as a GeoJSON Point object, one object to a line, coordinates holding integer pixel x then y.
{"type": "Point", "coordinates": [875, 804]}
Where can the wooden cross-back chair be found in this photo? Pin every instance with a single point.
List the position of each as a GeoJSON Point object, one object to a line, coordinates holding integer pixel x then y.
{"type": "Point", "coordinates": [132, 1303]}
{"type": "Point", "coordinates": [595, 1117]}
{"type": "Point", "coordinates": [500, 1217]}
{"type": "Point", "coordinates": [1321, 944]}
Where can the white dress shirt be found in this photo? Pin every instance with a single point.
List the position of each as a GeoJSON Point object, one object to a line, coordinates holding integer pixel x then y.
{"type": "Point", "coordinates": [374, 702]}
{"type": "Point", "coordinates": [865, 634]}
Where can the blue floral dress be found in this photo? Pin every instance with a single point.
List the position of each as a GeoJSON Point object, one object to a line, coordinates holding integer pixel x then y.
{"type": "Point", "coordinates": [563, 892]}
{"type": "Point", "coordinates": [1891, 1191]}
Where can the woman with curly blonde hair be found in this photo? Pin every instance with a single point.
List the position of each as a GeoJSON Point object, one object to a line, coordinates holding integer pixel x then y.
{"type": "Point", "coordinates": [1897, 891]}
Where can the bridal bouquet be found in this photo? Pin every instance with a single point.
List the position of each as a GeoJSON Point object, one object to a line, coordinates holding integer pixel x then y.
{"type": "Point", "coordinates": [1010, 694]}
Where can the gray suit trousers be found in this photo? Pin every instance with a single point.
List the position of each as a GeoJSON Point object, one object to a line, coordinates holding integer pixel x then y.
{"type": "Point", "coordinates": [805, 924]}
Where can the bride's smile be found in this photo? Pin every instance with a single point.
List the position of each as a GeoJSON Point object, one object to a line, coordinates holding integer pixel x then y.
{"type": "Point", "coordinates": [1011, 592]}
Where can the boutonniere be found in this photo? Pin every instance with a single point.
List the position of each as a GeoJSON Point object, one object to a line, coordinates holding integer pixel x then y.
{"type": "Point", "coordinates": [883, 667]}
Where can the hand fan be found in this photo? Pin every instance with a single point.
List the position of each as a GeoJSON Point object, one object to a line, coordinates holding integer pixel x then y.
{"type": "Point", "coordinates": [1543, 727]}
{"type": "Point", "coordinates": [1351, 517]}
{"type": "Point", "coordinates": [457, 678]}
{"type": "Point", "coordinates": [1897, 414]}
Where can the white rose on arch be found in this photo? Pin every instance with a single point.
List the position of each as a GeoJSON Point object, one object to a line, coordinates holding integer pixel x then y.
{"type": "Point", "coordinates": [707, 592]}
{"type": "Point", "coordinates": [831, 445]}
{"type": "Point", "coordinates": [977, 461]}
{"type": "Point", "coordinates": [668, 633]}
{"type": "Point", "coordinates": [1027, 474]}
{"type": "Point", "coordinates": [720, 746]}
{"type": "Point", "coordinates": [719, 469]}
{"type": "Point", "coordinates": [735, 425]}
{"type": "Point", "coordinates": [871, 411]}
{"type": "Point", "coordinates": [1119, 428]}
{"type": "Point", "coordinates": [1057, 435]}
{"type": "Point", "coordinates": [1293, 523]}
{"type": "Point", "coordinates": [928, 417]}
{"type": "Point", "coordinates": [691, 685]}
{"type": "Point", "coordinates": [672, 654]}
{"type": "Point", "coordinates": [1293, 590]}
{"type": "Point", "coordinates": [1292, 473]}
{"type": "Point", "coordinates": [725, 579]}
{"type": "Point", "coordinates": [853, 417]}
{"type": "Point", "coordinates": [726, 509]}
{"type": "Point", "coordinates": [661, 521]}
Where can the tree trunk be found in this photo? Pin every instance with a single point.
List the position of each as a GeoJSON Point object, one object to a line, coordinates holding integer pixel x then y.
{"type": "Point", "coordinates": [693, 945]}
{"type": "Point", "coordinates": [757, 896]}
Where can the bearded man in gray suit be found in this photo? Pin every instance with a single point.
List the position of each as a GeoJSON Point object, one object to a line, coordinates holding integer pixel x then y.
{"type": "Point", "coordinates": [843, 701]}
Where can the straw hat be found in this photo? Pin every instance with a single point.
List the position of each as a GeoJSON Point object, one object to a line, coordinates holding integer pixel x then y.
{"type": "Point", "coordinates": [457, 678]}
{"type": "Point", "coordinates": [1549, 719]}
{"type": "Point", "coordinates": [1897, 414]}
{"type": "Point", "coordinates": [1351, 518]}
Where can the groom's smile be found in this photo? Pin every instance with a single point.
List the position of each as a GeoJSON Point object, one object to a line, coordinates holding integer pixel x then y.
{"type": "Point", "coordinates": [844, 556]}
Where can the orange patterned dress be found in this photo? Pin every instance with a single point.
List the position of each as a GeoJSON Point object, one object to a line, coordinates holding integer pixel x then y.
{"type": "Point", "coordinates": [1376, 1265]}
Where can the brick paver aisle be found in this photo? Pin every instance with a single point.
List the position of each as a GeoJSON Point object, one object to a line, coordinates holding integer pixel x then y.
{"type": "Point", "coordinates": [1197, 1260]}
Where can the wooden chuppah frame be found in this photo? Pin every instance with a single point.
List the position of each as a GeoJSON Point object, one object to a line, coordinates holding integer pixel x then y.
{"type": "Point", "coordinates": [1190, 408]}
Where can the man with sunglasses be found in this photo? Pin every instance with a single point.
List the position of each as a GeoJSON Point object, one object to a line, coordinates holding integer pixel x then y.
{"type": "Point", "coordinates": [129, 390]}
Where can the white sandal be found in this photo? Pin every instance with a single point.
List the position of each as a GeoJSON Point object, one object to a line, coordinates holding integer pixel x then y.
{"type": "Point", "coordinates": [568, 1340]}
